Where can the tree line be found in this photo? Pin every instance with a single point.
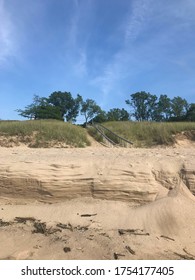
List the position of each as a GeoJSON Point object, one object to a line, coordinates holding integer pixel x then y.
{"type": "Point", "coordinates": [143, 107]}
{"type": "Point", "coordinates": [148, 107]}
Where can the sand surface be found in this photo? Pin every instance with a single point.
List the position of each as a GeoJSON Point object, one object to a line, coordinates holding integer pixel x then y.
{"type": "Point", "coordinates": [97, 203]}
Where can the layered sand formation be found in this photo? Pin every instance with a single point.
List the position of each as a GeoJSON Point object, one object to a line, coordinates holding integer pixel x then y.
{"type": "Point", "coordinates": [100, 203]}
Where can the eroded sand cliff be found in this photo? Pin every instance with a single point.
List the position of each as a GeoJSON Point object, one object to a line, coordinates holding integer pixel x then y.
{"type": "Point", "coordinates": [97, 202]}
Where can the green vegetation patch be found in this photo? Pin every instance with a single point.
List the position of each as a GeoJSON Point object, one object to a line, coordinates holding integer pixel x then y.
{"type": "Point", "coordinates": [43, 134]}
{"type": "Point", "coordinates": [147, 134]}
{"type": "Point", "coordinates": [94, 133]}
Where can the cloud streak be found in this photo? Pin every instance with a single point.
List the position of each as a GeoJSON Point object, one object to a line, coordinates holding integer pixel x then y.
{"type": "Point", "coordinates": [150, 31]}
{"type": "Point", "coordinates": [78, 37]}
{"type": "Point", "coordinates": [7, 42]}
{"type": "Point", "coordinates": [80, 67]}
{"type": "Point", "coordinates": [121, 62]}
{"type": "Point", "coordinates": [136, 20]}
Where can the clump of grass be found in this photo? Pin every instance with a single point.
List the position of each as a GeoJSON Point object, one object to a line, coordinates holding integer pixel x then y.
{"type": "Point", "coordinates": [45, 133]}
{"type": "Point", "coordinates": [94, 133]}
{"type": "Point", "coordinates": [147, 134]}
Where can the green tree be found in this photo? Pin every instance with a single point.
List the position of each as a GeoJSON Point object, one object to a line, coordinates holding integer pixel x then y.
{"type": "Point", "coordinates": [190, 115]}
{"type": "Point", "coordinates": [68, 106]}
{"type": "Point", "coordinates": [48, 111]}
{"type": "Point", "coordinates": [179, 107]}
{"type": "Point", "coordinates": [101, 117]}
{"type": "Point", "coordinates": [162, 110]}
{"type": "Point", "coordinates": [89, 109]}
{"type": "Point", "coordinates": [143, 104]}
{"type": "Point", "coordinates": [31, 110]}
{"type": "Point", "coordinates": [117, 114]}
{"type": "Point", "coordinates": [40, 109]}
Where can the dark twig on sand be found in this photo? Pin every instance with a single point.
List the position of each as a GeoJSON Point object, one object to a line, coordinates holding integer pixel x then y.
{"type": "Point", "coordinates": [185, 257]}
{"type": "Point", "coordinates": [23, 220]}
{"type": "Point", "coordinates": [116, 256]}
{"type": "Point", "coordinates": [88, 215]}
{"type": "Point", "coordinates": [130, 250]}
{"type": "Point", "coordinates": [65, 226]}
{"type": "Point", "coordinates": [188, 253]}
{"type": "Point", "coordinates": [166, 237]}
{"type": "Point", "coordinates": [132, 231]}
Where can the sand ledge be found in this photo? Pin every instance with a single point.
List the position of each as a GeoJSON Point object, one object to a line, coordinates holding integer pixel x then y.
{"type": "Point", "coordinates": [118, 179]}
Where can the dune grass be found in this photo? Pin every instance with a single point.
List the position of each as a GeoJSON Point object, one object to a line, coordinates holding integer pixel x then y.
{"type": "Point", "coordinates": [49, 133]}
{"type": "Point", "coordinates": [45, 133]}
{"type": "Point", "coordinates": [147, 134]}
{"type": "Point", "coordinates": [93, 132]}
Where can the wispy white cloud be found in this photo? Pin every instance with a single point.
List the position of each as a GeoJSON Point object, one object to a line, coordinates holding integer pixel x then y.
{"type": "Point", "coordinates": [144, 47]}
{"type": "Point", "coordinates": [81, 11]}
{"type": "Point", "coordinates": [7, 42]}
{"type": "Point", "coordinates": [136, 18]}
{"type": "Point", "coordinates": [73, 30]}
{"type": "Point", "coordinates": [18, 24]}
{"type": "Point", "coordinates": [80, 66]}
{"type": "Point", "coordinates": [120, 66]}
{"type": "Point", "coordinates": [77, 37]}
{"type": "Point", "coordinates": [105, 82]}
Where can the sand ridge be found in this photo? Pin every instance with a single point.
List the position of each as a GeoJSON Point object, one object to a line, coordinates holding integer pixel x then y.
{"type": "Point", "coordinates": [97, 203]}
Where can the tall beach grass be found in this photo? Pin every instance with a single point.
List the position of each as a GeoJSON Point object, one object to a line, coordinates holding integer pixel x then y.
{"type": "Point", "coordinates": [147, 134]}
{"type": "Point", "coordinates": [42, 133]}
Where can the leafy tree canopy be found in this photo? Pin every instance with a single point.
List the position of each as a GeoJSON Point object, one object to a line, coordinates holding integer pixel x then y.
{"type": "Point", "coordinates": [190, 115]}
{"type": "Point", "coordinates": [148, 107]}
{"type": "Point", "coordinates": [143, 104]}
{"type": "Point", "coordinates": [40, 109]}
{"type": "Point", "coordinates": [144, 107]}
{"type": "Point", "coordinates": [179, 107]}
{"type": "Point", "coordinates": [68, 106]}
{"type": "Point", "coordinates": [101, 117]}
{"type": "Point", "coordinates": [117, 114]}
{"type": "Point", "coordinates": [162, 110]}
{"type": "Point", "coordinates": [89, 109]}
{"type": "Point", "coordinates": [59, 105]}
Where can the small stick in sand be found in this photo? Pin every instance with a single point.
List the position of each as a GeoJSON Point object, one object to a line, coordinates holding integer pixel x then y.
{"type": "Point", "coordinates": [185, 257]}
{"type": "Point", "coordinates": [116, 256]}
{"type": "Point", "coordinates": [88, 215]}
{"type": "Point", "coordinates": [166, 237]}
{"type": "Point", "coordinates": [130, 250]}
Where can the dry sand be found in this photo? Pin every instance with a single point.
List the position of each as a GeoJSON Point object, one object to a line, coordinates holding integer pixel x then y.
{"type": "Point", "coordinates": [97, 203]}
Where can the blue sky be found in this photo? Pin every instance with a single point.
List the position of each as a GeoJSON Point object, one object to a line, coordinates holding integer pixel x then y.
{"type": "Point", "coordinates": [102, 49]}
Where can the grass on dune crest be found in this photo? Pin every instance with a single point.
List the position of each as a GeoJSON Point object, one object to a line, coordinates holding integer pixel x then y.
{"type": "Point", "coordinates": [147, 134]}
{"type": "Point", "coordinates": [51, 133]}
{"type": "Point", "coordinates": [43, 133]}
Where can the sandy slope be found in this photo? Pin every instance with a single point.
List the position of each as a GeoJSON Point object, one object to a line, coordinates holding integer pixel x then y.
{"type": "Point", "coordinates": [97, 203]}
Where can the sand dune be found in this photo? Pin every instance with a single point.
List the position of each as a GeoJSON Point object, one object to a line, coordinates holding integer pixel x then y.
{"type": "Point", "coordinates": [97, 203]}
